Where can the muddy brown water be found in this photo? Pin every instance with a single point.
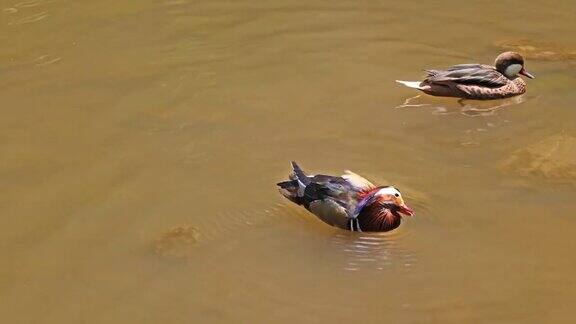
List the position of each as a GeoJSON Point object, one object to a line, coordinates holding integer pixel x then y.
{"type": "Point", "coordinates": [130, 128]}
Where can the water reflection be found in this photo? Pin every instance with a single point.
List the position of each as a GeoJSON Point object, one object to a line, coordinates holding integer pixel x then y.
{"type": "Point", "coordinates": [470, 108]}
{"type": "Point", "coordinates": [373, 251]}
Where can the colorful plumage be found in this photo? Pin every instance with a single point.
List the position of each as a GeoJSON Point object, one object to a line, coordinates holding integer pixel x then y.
{"type": "Point", "coordinates": [476, 81]}
{"type": "Point", "coordinates": [349, 201]}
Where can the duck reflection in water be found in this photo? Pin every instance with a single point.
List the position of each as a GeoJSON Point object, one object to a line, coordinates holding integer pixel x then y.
{"type": "Point", "coordinates": [373, 251]}
{"type": "Point", "coordinates": [471, 108]}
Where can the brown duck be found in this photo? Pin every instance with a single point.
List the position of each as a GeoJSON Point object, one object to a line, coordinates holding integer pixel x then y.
{"type": "Point", "coordinates": [349, 201]}
{"type": "Point", "coordinates": [477, 81]}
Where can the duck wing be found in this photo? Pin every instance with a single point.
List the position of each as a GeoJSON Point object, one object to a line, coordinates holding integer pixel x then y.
{"type": "Point", "coordinates": [332, 199]}
{"type": "Point", "coordinates": [304, 189]}
{"type": "Point", "coordinates": [346, 190]}
{"type": "Point", "coordinates": [358, 181]}
{"type": "Point", "coordinates": [337, 189]}
{"type": "Point", "coordinates": [467, 75]}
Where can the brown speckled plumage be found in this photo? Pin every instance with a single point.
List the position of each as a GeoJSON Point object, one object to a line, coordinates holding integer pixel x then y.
{"type": "Point", "coordinates": [509, 89]}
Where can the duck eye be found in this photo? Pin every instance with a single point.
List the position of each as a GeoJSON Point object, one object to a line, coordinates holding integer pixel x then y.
{"type": "Point", "coordinates": [397, 195]}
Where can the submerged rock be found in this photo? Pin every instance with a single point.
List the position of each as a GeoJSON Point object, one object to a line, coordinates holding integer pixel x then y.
{"type": "Point", "coordinates": [538, 51]}
{"type": "Point", "coordinates": [177, 242]}
{"type": "Point", "coordinates": [553, 158]}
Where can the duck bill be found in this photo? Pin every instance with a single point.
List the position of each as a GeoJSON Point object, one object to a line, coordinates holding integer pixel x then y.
{"type": "Point", "coordinates": [402, 208]}
{"type": "Point", "coordinates": [406, 210]}
{"type": "Point", "coordinates": [526, 74]}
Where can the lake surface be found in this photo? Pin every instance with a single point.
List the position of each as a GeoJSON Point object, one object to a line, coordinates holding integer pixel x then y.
{"type": "Point", "coordinates": [141, 142]}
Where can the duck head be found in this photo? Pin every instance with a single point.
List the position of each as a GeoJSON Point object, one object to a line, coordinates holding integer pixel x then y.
{"type": "Point", "coordinates": [511, 64]}
{"type": "Point", "coordinates": [381, 210]}
{"type": "Point", "coordinates": [392, 196]}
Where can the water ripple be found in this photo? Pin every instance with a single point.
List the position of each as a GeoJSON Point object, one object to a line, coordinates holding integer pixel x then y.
{"type": "Point", "coordinates": [46, 60]}
{"type": "Point", "coordinates": [30, 19]}
{"type": "Point", "coordinates": [217, 228]}
{"type": "Point", "coordinates": [355, 251]}
{"type": "Point", "coordinates": [373, 251]}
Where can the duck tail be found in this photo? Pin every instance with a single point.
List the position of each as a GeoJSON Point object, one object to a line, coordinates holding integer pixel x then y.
{"type": "Point", "coordinates": [293, 189]}
{"type": "Point", "coordinates": [299, 175]}
{"type": "Point", "coordinates": [289, 189]}
{"type": "Point", "coordinates": [411, 84]}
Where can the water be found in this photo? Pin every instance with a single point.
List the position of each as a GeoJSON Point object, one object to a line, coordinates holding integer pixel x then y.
{"type": "Point", "coordinates": [125, 120]}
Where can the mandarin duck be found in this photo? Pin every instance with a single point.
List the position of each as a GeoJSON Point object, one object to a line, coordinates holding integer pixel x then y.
{"type": "Point", "coordinates": [349, 201]}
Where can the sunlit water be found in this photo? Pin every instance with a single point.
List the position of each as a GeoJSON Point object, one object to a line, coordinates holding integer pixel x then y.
{"type": "Point", "coordinates": [123, 120]}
